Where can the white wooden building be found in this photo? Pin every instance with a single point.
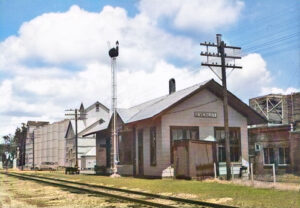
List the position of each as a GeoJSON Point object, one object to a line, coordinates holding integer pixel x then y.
{"type": "Point", "coordinates": [89, 118]}
{"type": "Point", "coordinates": [148, 133]}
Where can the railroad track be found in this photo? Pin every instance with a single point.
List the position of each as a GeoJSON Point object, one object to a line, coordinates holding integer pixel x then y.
{"type": "Point", "coordinates": [148, 199]}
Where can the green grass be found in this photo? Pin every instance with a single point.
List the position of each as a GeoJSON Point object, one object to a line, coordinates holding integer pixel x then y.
{"type": "Point", "coordinates": [241, 195]}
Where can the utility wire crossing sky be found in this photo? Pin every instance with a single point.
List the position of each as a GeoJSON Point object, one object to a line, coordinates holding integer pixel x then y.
{"type": "Point", "coordinates": [54, 54]}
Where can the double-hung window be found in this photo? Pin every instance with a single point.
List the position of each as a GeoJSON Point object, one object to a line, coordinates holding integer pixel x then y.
{"type": "Point", "coordinates": [235, 141]}
{"type": "Point", "coordinates": [284, 156]}
{"type": "Point", "coordinates": [269, 156]}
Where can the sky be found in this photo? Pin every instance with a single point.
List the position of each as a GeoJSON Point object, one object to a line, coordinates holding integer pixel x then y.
{"type": "Point", "coordinates": [54, 54]}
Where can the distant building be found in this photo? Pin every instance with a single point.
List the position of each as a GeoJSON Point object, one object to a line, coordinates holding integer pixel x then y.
{"type": "Point", "coordinates": [29, 146]}
{"type": "Point", "coordinates": [89, 118]}
{"type": "Point", "coordinates": [277, 142]}
{"type": "Point", "coordinates": [183, 129]}
{"type": "Point", "coordinates": [53, 145]}
{"type": "Point", "coordinates": [88, 160]}
{"type": "Point", "coordinates": [50, 145]}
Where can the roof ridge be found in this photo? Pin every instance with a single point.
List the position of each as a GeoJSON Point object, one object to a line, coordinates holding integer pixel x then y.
{"type": "Point", "coordinates": [158, 99]}
{"type": "Point", "coordinates": [167, 95]}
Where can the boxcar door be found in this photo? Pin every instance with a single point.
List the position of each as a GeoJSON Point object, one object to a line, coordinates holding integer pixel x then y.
{"type": "Point", "coordinates": [140, 152]}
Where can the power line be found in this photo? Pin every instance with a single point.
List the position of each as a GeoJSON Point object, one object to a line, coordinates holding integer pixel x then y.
{"type": "Point", "coordinates": [274, 41]}
{"type": "Point", "coordinates": [222, 55]}
{"type": "Point", "coordinates": [272, 34]}
{"type": "Point", "coordinates": [262, 22]}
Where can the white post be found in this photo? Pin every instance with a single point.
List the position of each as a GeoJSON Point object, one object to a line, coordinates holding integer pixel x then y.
{"type": "Point", "coordinates": [113, 53]}
{"type": "Point", "coordinates": [215, 170]}
{"type": "Point", "coordinates": [274, 174]}
{"type": "Point", "coordinates": [252, 172]}
{"type": "Point", "coordinates": [232, 171]}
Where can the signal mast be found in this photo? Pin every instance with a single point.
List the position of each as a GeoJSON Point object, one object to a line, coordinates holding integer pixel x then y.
{"type": "Point", "coordinates": [113, 53]}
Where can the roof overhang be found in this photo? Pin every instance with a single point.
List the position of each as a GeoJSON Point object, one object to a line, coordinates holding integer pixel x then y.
{"type": "Point", "coordinates": [252, 116]}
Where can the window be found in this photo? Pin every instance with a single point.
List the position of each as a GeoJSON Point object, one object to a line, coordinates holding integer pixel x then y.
{"type": "Point", "coordinates": [269, 156]}
{"type": "Point", "coordinates": [180, 133]}
{"type": "Point", "coordinates": [97, 107]}
{"type": "Point", "coordinates": [235, 147]}
{"type": "Point", "coordinates": [284, 156]}
{"type": "Point", "coordinates": [153, 146]}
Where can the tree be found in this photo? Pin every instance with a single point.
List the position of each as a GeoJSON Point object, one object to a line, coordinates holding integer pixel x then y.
{"type": "Point", "coordinates": [8, 150]}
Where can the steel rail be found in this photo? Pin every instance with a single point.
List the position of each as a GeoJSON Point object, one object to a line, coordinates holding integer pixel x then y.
{"type": "Point", "coordinates": [176, 199]}
{"type": "Point", "coordinates": [119, 197]}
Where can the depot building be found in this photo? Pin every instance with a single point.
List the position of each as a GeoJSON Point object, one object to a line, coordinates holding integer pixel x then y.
{"type": "Point", "coordinates": [181, 133]}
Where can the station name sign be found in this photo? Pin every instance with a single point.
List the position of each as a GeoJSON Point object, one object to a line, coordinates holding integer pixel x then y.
{"type": "Point", "coordinates": [200, 114]}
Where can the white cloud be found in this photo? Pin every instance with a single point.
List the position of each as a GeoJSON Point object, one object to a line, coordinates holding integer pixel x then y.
{"type": "Point", "coordinates": [198, 15]}
{"type": "Point", "coordinates": [80, 37]}
{"type": "Point", "coordinates": [276, 90]}
{"type": "Point", "coordinates": [60, 59]}
{"type": "Point", "coordinates": [247, 82]}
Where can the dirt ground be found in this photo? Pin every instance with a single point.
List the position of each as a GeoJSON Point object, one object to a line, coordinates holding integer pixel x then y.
{"type": "Point", "coordinates": [261, 184]}
{"type": "Point", "coordinates": [15, 193]}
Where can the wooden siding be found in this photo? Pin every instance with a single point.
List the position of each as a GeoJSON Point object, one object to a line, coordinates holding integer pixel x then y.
{"type": "Point", "coordinates": [183, 115]}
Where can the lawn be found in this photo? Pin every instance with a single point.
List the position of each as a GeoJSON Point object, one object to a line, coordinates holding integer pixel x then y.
{"type": "Point", "coordinates": [230, 194]}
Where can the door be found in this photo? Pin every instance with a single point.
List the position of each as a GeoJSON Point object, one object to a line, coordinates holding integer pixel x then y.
{"type": "Point", "coordinates": [140, 152]}
{"type": "Point", "coordinates": [108, 152]}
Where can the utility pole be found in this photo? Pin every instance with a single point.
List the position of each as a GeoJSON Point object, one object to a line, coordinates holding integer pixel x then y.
{"type": "Point", "coordinates": [23, 135]}
{"type": "Point", "coordinates": [32, 148]}
{"type": "Point", "coordinates": [75, 114]}
{"type": "Point", "coordinates": [76, 140]}
{"type": "Point", "coordinates": [221, 55]}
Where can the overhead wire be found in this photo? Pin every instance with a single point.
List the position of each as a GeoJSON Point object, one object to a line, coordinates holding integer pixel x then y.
{"type": "Point", "coordinates": [259, 44]}
{"type": "Point", "coordinates": [272, 35]}
{"type": "Point", "coordinates": [262, 22]}
{"type": "Point", "coordinates": [272, 42]}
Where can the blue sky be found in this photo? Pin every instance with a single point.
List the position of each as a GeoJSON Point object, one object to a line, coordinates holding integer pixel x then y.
{"type": "Point", "coordinates": [53, 54]}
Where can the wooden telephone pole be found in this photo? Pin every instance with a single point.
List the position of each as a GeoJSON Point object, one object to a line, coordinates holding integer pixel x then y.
{"type": "Point", "coordinates": [221, 55]}
{"type": "Point", "coordinates": [75, 114]}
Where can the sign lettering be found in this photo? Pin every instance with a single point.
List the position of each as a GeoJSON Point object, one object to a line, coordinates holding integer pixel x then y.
{"type": "Point", "coordinates": [205, 114]}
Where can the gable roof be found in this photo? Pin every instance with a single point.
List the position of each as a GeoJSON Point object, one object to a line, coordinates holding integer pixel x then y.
{"type": "Point", "coordinates": [159, 105]}
{"type": "Point", "coordinates": [84, 127]}
{"type": "Point", "coordinates": [81, 108]}
{"type": "Point", "coordinates": [94, 106]}
{"type": "Point", "coordinates": [252, 116]}
{"type": "Point", "coordinates": [155, 106]}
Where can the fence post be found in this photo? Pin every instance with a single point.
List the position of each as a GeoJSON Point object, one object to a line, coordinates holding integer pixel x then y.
{"type": "Point", "coordinates": [274, 174]}
{"type": "Point", "coordinates": [215, 170]}
{"type": "Point", "coordinates": [252, 172]}
{"type": "Point", "coordinates": [232, 172]}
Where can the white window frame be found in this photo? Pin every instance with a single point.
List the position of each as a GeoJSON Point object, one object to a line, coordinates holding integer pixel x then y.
{"type": "Point", "coordinates": [285, 157]}
{"type": "Point", "coordinates": [268, 164]}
